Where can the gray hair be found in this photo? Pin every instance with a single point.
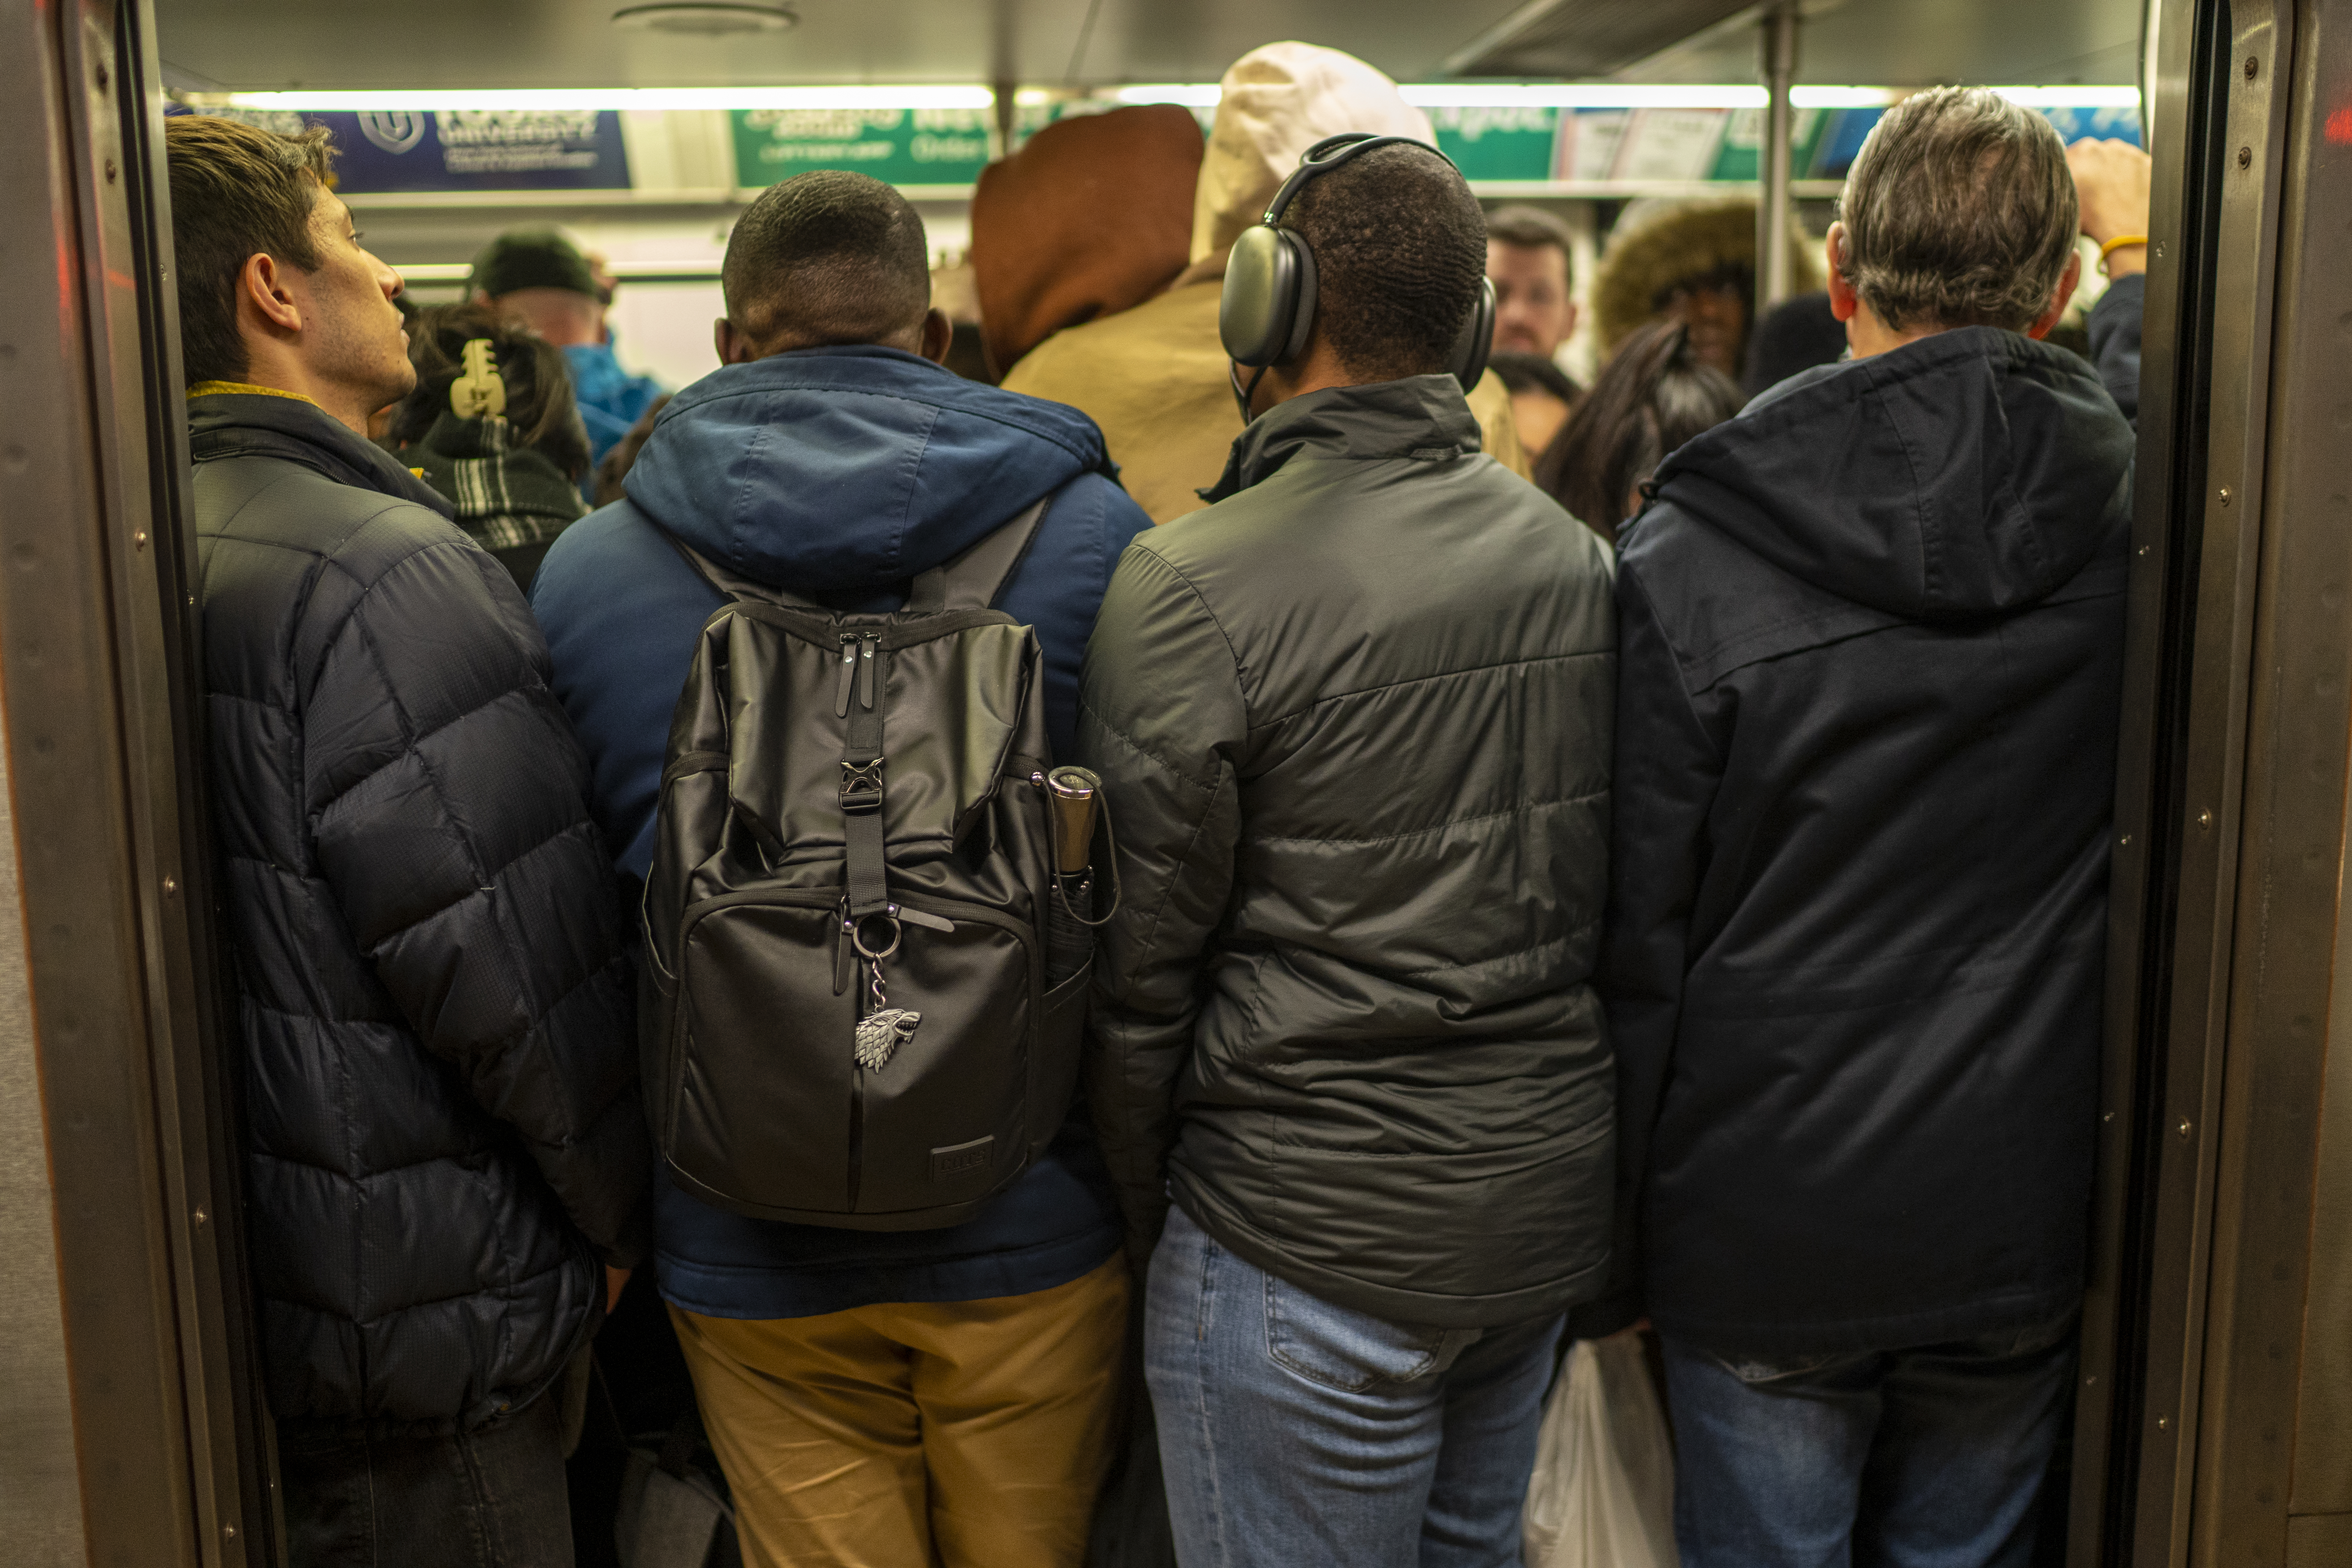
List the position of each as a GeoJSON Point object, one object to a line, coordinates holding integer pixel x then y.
{"type": "Point", "coordinates": [1960, 211]}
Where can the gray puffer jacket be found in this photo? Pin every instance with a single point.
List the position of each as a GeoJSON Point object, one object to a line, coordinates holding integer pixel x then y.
{"type": "Point", "coordinates": [1353, 724]}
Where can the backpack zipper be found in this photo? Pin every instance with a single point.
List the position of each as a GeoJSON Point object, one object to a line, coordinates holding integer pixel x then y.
{"type": "Point", "coordinates": [865, 671]}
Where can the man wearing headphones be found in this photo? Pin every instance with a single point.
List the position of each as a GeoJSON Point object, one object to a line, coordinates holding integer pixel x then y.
{"type": "Point", "coordinates": [1353, 723]}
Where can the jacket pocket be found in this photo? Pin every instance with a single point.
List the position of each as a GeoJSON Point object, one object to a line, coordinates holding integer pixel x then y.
{"type": "Point", "coordinates": [1339, 1348]}
{"type": "Point", "coordinates": [756, 1091]}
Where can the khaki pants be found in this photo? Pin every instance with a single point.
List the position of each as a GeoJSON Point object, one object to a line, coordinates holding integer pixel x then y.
{"type": "Point", "coordinates": [953, 1434]}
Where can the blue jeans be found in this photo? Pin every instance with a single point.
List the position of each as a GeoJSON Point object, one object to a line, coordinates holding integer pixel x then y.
{"type": "Point", "coordinates": [1929, 1457]}
{"type": "Point", "coordinates": [1295, 1432]}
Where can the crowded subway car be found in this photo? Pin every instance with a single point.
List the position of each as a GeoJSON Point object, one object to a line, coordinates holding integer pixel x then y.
{"type": "Point", "coordinates": [1064, 781]}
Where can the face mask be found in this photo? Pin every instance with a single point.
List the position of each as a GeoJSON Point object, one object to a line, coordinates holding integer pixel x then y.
{"type": "Point", "coordinates": [595, 372]}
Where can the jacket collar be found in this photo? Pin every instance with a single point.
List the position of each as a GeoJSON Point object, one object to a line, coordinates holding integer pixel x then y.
{"type": "Point", "coordinates": [1423, 418]}
{"type": "Point", "coordinates": [267, 423]}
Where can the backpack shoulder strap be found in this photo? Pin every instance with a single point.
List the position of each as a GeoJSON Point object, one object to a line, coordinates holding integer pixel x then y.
{"type": "Point", "coordinates": [734, 587]}
{"type": "Point", "coordinates": [972, 580]}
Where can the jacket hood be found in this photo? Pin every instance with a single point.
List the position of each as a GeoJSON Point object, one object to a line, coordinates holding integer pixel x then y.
{"type": "Point", "coordinates": [280, 425]}
{"type": "Point", "coordinates": [850, 468]}
{"type": "Point", "coordinates": [1422, 417]}
{"type": "Point", "coordinates": [1042, 257]}
{"type": "Point", "coordinates": [1277, 101]}
{"type": "Point", "coordinates": [1974, 472]}
{"type": "Point", "coordinates": [1678, 242]}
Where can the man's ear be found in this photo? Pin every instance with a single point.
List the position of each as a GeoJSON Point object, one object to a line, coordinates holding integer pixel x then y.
{"type": "Point", "coordinates": [262, 288]}
{"type": "Point", "coordinates": [2059, 297]}
{"type": "Point", "coordinates": [939, 335]}
{"type": "Point", "coordinates": [1842, 299]}
{"type": "Point", "coordinates": [732, 346]}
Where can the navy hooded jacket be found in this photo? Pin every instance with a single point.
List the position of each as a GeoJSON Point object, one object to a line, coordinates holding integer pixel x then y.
{"type": "Point", "coordinates": [837, 473]}
{"type": "Point", "coordinates": [1870, 668]}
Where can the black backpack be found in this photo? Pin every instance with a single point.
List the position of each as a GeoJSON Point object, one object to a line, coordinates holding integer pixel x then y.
{"type": "Point", "coordinates": [862, 992]}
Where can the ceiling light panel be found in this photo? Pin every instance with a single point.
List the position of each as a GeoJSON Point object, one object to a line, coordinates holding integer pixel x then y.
{"type": "Point", "coordinates": [1196, 95]}
{"type": "Point", "coordinates": [549, 99]}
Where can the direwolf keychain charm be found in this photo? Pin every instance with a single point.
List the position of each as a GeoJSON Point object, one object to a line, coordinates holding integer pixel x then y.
{"type": "Point", "coordinates": [880, 1034]}
{"type": "Point", "coordinates": [884, 1028]}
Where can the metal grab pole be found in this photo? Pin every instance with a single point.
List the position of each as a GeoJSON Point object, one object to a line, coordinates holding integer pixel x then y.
{"type": "Point", "coordinates": [1772, 205]}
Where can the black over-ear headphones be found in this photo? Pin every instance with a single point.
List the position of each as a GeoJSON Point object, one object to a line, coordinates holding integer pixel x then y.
{"type": "Point", "coordinates": [1268, 306]}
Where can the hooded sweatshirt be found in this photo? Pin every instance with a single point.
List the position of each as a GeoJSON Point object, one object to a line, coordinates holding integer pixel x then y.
{"type": "Point", "coordinates": [1042, 257]}
{"type": "Point", "coordinates": [1871, 647]}
{"type": "Point", "coordinates": [1156, 377]}
{"type": "Point", "coordinates": [838, 473]}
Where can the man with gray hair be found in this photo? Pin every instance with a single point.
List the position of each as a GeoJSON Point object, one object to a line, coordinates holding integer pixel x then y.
{"type": "Point", "coordinates": [1871, 646]}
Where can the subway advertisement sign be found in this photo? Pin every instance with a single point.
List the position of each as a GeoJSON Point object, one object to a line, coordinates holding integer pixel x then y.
{"type": "Point", "coordinates": [897, 146]}
{"type": "Point", "coordinates": [464, 149]}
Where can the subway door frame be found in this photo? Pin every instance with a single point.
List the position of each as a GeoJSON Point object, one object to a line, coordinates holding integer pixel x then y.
{"type": "Point", "coordinates": [2205, 1374]}
{"type": "Point", "coordinates": [117, 1008]}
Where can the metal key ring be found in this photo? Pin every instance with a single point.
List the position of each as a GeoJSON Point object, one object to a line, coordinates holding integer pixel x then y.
{"type": "Point", "coordinates": [857, 937]}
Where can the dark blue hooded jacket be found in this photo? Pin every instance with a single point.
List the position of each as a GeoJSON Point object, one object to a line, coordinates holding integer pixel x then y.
{"type": "Point", "coordinates": [838, 473]}
{"type": "Point", "coordinates": [1871, 655]}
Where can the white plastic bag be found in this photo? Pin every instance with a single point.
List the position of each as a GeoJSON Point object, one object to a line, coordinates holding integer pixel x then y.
{"type": "Point", "coordinates": [1602, 1495]}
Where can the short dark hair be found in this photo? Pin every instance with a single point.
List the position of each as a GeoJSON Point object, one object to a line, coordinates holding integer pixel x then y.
{"type": "Point", "coordinates": [1653, 396]}
{"type": "Point", "coordinates": [1960, 211]}
{"type": "Point", "coordinates": [541, 408]}
{"type": "Point", "coordinates": [1532, 228]}
{"type": "Point", "coordinates": [1400, 249]}
{"type": "Point", "coordinates": [828, 256]}
{"type": "Point", "coordinates": [1533, 373]}
{"type": "Point", "coordinates": [237, 190]}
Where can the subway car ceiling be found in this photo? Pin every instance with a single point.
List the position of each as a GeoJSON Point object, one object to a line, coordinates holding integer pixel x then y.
{"type": "Point", "coordinates": [229, 45]}
{"type": "Point", "coordinates": [654, 189]}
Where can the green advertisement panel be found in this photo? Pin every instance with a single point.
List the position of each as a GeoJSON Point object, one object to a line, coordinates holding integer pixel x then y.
{"type": "Point", "coordinates": [898, 146]}
{"type": "Point", "coordinates": [1741, 152]}
{"type": "Point", "coordinates": [1498, 143]}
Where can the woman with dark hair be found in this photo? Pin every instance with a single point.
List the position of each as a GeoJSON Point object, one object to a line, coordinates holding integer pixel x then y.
{"type": "Point", "coordinates": [1655, 395]}
{"type": "Point", "coordinates": [495, 429]}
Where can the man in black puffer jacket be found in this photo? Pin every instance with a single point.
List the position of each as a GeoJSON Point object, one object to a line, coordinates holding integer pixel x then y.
{"type": "Point", "coordinates": [447, 1166]}
{"type": "Point", "coordinates": [1352, 724]}
{"type": "Point", "coordinates": [1873, 651]}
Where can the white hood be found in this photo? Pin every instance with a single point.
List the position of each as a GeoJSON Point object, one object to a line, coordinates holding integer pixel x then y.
{"type": "Point", "coordinates": [1278, 101]}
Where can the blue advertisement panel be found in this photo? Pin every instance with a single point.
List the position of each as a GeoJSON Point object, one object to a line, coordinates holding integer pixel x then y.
{"type": "Point", "coordinates": [465, 149]}
{"type": "Point", "coordinates": [1834, 153]}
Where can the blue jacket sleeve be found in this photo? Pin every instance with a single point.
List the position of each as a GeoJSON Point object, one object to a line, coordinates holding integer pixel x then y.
{"type": "Point", "coordinates": [2115, 327]}
{"type": "Point", "coordinates": [1060, 585]}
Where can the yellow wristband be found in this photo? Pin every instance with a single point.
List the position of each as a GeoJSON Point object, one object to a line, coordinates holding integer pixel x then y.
{"type": "Point", "coordinates": [2117, 244]}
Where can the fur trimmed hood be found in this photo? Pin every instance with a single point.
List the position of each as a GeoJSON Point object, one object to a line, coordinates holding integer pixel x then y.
{"type": "Point", "coordinates": [1686, 240]}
